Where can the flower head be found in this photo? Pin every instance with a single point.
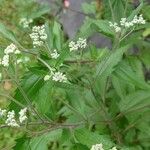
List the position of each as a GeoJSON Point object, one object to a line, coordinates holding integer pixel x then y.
{"type": "Point", "coordinates": [115, 26]}
{"type": "Point", "coordinates": [5, 60]}
{"type": "Point", "coordinates": [24, 22]}
{"type": "Point", "coordinates": [73, 46]}
{"type": "Point", "coordinates": [2, 112]}
{"type": "Point", "coordinates": [80, 44]}
{"type": "Point", "coordinates": [47, 77]}
{"type": "Point", "coordinates": [97, 147]}
{"type": "Point", "coordinates": [38, 35]}
{"type": "Point", "coordinates": [55, 54]}
{"type": "Point", "coordinates": [59, 77]}
{"type": "Point", "coordinates": [22, 115]}
{"type": "Point", "coordinates": [11, 121]}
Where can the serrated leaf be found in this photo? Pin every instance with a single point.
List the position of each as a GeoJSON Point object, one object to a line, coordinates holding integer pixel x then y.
{"type": "Point", "coordinates": [135, 99]}
{"type": "Point", "coordinates": [8, 34]}
{"type": "Point", "coordinates": [125, 72]}
{"type": "Point", "coordinates": [40, 142]}
{"type": "Point", "coordinates": [88, 138]}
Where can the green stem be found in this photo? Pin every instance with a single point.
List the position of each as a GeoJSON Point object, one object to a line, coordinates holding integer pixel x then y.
{"type": "Point", "coordinates": [14, 100]}
{"type": "Point", "coordinates": [112, 12]}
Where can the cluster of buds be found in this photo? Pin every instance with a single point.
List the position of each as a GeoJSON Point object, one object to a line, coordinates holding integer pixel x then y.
{"type": "Point", "coordinates": [100, 147]}
{"type": "Point", "coordinates": [56, 76]}
{"type": "Point", "coordinates": [80, 44]}
{"type": "Point", "coordinates": [11, 117]}
{"type": "Point", "coordinates": [55, 54]}
{"type": "Point", "coordinates": [137, 20]}
{"type": "Point", "coordinates": [11, 49]}
{"type": "Point", "coordinates": [24, 22]}
{"type": "Point", "coordinates": [38, 35]}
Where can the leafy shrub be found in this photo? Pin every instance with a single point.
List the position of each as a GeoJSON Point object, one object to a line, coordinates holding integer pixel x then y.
{"type": "Point", "coordinates": [69, 94]}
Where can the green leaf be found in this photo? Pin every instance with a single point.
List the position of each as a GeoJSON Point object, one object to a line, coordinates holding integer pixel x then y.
{"type": "Point", "coordinates": [31, 84]}
{"type": "Point", "coordinates": [119, 87]}
{"type": "Point", "coordinates": [57, 32]}
{"type": "Point", "coordinates": [8, 34]}
{"type": "Point", "coordinates": [92, 26]}
{"type": "Point", "coordinates": [22, 144]}
{"type": "Point", "coordinates": [108, 64]}
{"type": "Point", "coordinates": [41, 142]}
{"type": "Point", "coordinates": [134, 100]}
{"type": "Point", "coordinates": [136, 11]}
{"type": "Point", "coordinates": [106, 67]}
{"type": "Point", "coordinates": [44, 99]}
{"type": "Point", "coordinates": [88, 138]}
{"type": "Point", "coordinates": [89, 8]}
{"type": "Point", "coordinates": [125, 72]}
{"type": "Point", "coordinates": [41, 11]}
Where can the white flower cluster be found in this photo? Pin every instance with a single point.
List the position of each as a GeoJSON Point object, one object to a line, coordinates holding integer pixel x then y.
{"type": "Point", "coordinates": [80, 44]}
{"type": "Point", "coordinates": [136, 20]}
{"type": "Point", "coordinates": [59, 77]}
{"type": "Point", "coordinates": [2, 112]}
{"type": "Point", "coordinates": [38, 35]}
{"type": "Point", "coordinates": [55, 54]}
{"type": "Point", "coordinates": [115, 26]}
{"type": "Point", "coordinates": [24, 22]}
{"type": "Point", "coordinates": [97, 147]}
{"type": "Point", "coordinates": [100, 147]}
{"type": "Point", "coordinates": [56, 76]}
{"type": "Point", "coordinates": [11, 119]}
{"type": "Point", "coordinates": [22, 115]}
{"type": "Point", "coordinates": [11, 49]}
{"type": "Point", "coordinates": [127, 24]}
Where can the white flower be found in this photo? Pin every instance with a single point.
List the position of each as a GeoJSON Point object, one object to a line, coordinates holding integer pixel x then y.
{"type": "Point", "coordinates": [82, 43]}
{"type": "Point", "coordinates": [127, 24]}
{"type": "Point", "coordinates": [22, 115]}
{"type": "Point", "coordinates": [10, 49]}
{"type": "Point", "coordinates": [24, 22]}
{"type": "Point", "coordinates": [2, 112]}
{"type": "Point", "coordinates": [38, 35]}
{"type": "Point", "coordinates": [141, 20]}
{"type": "Point", "coordinates": [97, 147]}
{"type": "Point", "coordinates": [19, 61]}
{"type": "Point", "coordinates": [55, 54]}
{"type": "Point", "coordinates": [59, 77]}
{"type": "Point", "coordinates": [47, 77]}
{"type": "Point", "coordinates": [5, 60]}
{"type": "Point", "coordinates": [73, 46]}
{"type": "Point", "coordinates": [114, 148]}
{"type": "Point", "coordinates": [123, 21]}
{"type": "Point", "coordinates": [10, 121]}
{"type": "Point", "coordinates": [115, 26]}
{"type": "Point", "coordinates": [17, 52]}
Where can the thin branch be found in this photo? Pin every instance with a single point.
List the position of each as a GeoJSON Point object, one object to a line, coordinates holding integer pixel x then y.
{"type": "Point", "coordinates": [13, 99]}
{"type": "Point", "coordinates": [112, 12]}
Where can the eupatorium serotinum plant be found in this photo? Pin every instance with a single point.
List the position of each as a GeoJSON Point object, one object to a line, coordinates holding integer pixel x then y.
{"type": "Point", "coordinates": [69, 94]}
